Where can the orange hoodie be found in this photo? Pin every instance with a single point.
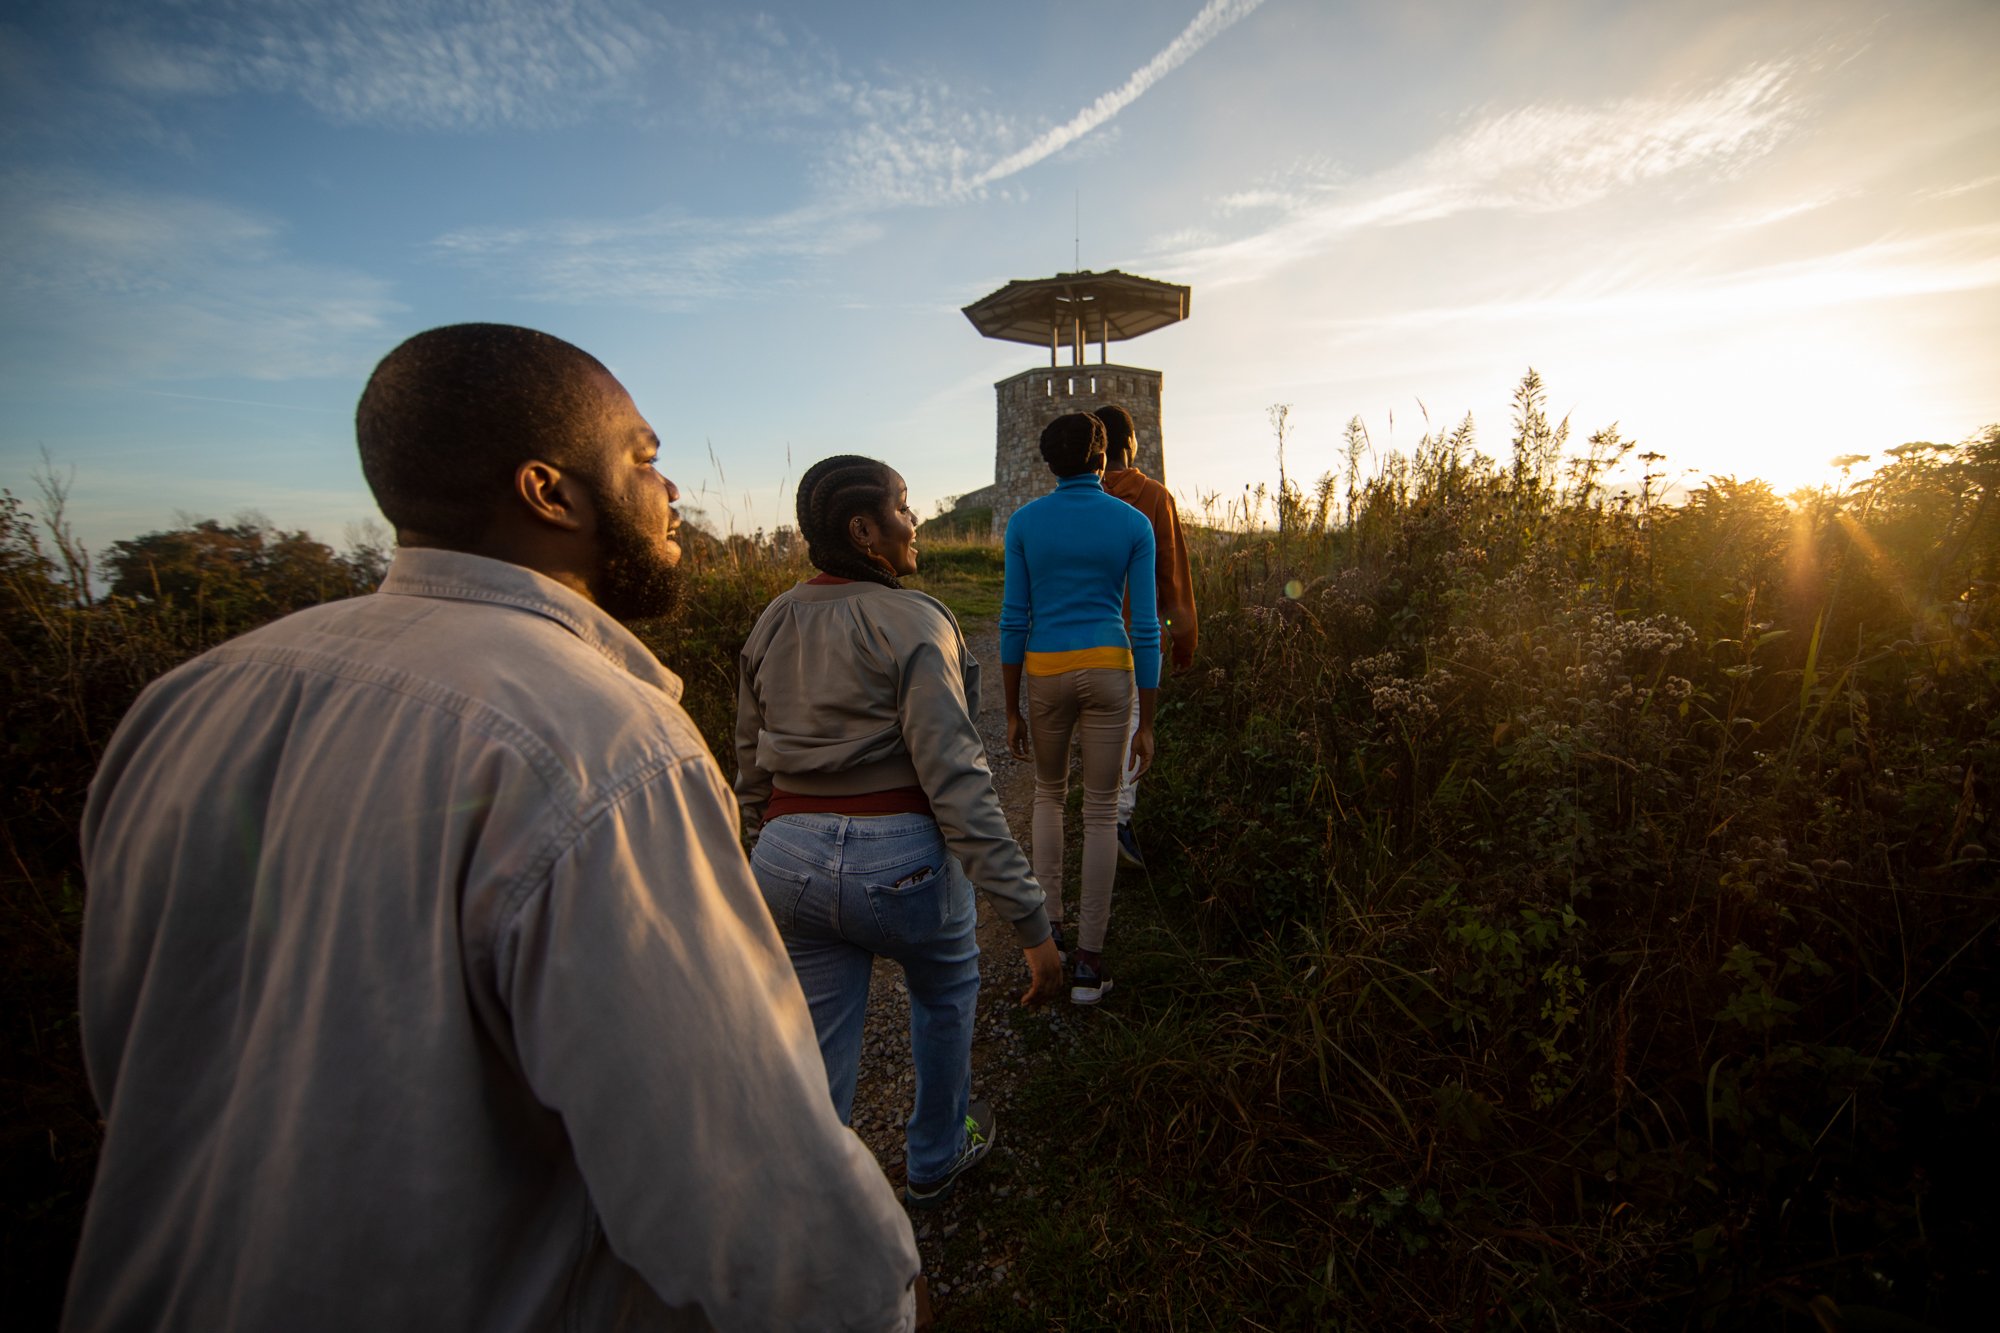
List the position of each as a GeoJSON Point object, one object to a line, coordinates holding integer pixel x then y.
{"type": "Point", "coordinates": [1170, 556]}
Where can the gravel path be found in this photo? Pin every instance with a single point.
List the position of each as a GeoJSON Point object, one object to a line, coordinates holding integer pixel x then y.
{"type": "Point", "coordinates": [883, 1095]}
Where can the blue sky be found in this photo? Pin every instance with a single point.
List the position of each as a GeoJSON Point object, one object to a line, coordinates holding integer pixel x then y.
{"type": "Point", "coordinates": [1754, 235]}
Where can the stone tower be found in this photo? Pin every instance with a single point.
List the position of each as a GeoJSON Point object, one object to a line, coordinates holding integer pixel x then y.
{"type": "Point", "coordinates": [1076, 309]}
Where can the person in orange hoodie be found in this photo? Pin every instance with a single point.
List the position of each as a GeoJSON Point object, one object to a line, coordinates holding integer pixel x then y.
{"type": "Point", "coordinates": [1171, 578]}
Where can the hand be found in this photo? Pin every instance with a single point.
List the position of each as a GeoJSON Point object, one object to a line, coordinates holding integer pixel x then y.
{"type": "Point", "coordinates": [925, 1320]}
{"type": "Point", "coordinates": [1142, 751]}
{"type": "Point", "coordinates": [1183, 662]}
{"type": "Point", "coordinates": [1045, 975]}
{"type": "Point", "coordinates": [1017, 736]}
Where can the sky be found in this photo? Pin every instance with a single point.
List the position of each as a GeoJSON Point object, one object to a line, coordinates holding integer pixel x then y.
{"type": "Point", "coordinates": [1755, 236]}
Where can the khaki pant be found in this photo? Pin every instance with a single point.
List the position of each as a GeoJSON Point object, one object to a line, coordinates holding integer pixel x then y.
{"type": "Point", "coordinates": [1094, 704]}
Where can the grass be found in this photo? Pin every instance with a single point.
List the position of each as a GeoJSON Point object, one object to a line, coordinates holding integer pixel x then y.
{"type": "Point", "coordinates": [1566, 910]}
{"type": "Point", "coordinates": [1549, 930]}
{"type": "Point", "coordinates": [964, 577]}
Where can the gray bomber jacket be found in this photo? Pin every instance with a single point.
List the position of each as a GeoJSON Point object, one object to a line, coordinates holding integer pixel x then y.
{"type": "Point", "coordinates": [846, 688]}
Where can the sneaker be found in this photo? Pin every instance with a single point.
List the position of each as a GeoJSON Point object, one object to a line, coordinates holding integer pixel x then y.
{"type": "Point", "coordinates": [1090, 982]}
{"type": "Point", "coordinates": [978, 1142]}
{"type": "Point", "coordinates": [1062, 949]}
{"type": "Point", "coordinates": [1128, 849]}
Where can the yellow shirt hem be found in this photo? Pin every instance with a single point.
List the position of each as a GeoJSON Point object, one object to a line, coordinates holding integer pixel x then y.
{"type": "Point", "coordinates": [1077, 659]}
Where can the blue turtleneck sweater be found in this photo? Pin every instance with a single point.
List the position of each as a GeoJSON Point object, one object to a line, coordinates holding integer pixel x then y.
{"type": "Point", "coordinates": [1071, 556]}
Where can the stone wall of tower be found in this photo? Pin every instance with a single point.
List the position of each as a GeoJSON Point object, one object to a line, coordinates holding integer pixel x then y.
{"type": "Point", "coordinates": [1027, 402]}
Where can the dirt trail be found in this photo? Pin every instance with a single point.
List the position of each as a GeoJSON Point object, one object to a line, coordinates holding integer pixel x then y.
{"type": "Point", "coordinates": [883, 1094]}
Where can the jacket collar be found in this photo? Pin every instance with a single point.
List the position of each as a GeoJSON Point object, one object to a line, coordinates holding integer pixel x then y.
{"type": "Point", "coordinates": [1082, 481]}
{"type": "Point", "coordinates": [459, 576]}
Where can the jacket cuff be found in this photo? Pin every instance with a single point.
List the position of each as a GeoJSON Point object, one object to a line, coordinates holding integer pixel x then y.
{"type": "Point", "coordinates": [1033, 928]}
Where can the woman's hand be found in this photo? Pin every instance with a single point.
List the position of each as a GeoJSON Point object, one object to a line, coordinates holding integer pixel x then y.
{"type": "Point", "coordinates": [1017, 735]}
{"type": "Point", "coordinates": [1045, 974]}
{"type": "Point", "coordinates": [1142, 752]}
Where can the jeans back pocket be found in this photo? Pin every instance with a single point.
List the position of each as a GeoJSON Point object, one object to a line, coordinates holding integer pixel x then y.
{"type": "Point", "coordinates": [783, 889]}
{"type": "Point", "coordinates": [915, 905]}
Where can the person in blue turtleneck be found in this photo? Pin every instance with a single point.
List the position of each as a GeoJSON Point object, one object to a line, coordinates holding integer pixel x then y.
{"type": "Point", "coordinates": [1072, 557]}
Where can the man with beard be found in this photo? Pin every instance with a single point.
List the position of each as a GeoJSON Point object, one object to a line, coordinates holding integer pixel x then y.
{"type": "Point", "coordinates": [424, 982]}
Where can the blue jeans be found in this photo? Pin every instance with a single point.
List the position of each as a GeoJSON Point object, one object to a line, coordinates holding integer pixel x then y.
{"type": "Point", "coordinates": [843, 889]}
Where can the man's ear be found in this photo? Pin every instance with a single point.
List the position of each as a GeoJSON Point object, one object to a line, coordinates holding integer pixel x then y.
{"type": "Point", "coordinates": [552, 495]}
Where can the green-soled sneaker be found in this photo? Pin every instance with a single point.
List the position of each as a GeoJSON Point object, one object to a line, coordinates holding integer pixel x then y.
{"type": "Point", "coordinates": [978, 1142]}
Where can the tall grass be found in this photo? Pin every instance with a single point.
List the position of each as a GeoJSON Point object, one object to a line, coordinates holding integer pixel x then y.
{"type": "Point", "coordinates": [1571, 910]}
{"type": "Point", "coordinates": [1578, 910]}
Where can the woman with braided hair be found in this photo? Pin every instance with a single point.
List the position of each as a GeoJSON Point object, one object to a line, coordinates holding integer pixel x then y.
{"type": "Point", "coordinates": [863, 774]}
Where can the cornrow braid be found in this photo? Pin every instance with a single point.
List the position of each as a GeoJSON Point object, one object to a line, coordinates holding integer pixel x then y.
{"type": "Point", "coordinates": [831, 493]}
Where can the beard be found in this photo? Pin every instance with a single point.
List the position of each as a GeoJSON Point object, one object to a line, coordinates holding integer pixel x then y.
{"type": "Point", "coordinates": [636, 580]}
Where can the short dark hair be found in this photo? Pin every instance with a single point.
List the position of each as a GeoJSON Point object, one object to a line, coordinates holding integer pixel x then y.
{"type": "Point", "coordinates": [1072, 444]}
{"type": "Point", "coordinates": [831, 493]}
{"type": "Point", "coordinates": [1121, 437]}
{"type": "Point", "coordinates": [450, 414]}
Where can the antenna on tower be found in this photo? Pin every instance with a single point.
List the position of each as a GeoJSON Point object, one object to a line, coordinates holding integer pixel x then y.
{"type": "Point", "coordinates": [1077, 258]}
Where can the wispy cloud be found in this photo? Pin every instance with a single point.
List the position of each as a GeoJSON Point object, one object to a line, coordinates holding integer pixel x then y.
{"type": "Point", "coordinates": [914, 144]}
{"type": "Point", "coordinates": [1963, 187]}
{"type": "Point", "coordinates": [1214, 18]}
{"type": "Point", "coordinates": [1775, 213]}
{"type": "Point", "coordinates": [667, 260]}
{"type": "Point", "coordinates": [121, 284]}
{"type": "Point", "coordinates": [393, 62]}
{"type": "Point", "coordinates": [1959, 260]}
{"type": "Point", "coordinates": [876, 141]}
{"type": "Point", "coordinates": [922, 144]}
{"type": "Point", "coordinates": [1541, 158]}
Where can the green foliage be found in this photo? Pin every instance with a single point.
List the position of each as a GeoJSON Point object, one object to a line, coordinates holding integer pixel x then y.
{"type": "Point", "coordinates": [1614, 875]}
{"type": "Point", "coordinates": [959, 525]}
{"type": "Point", "coordinates": [236, 576]}
{"type": "Point", "coordinates": [965, 577]}
{"type": "Point", "coordinates": [1569, 910]}
{"type": "Point", "coordinates": [71, 662]}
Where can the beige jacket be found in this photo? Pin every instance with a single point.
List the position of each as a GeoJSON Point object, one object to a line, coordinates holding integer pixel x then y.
{"type": "Point", "coordinates": [846, 688]}
{"type": "Point", "coordinates": [425, 986]}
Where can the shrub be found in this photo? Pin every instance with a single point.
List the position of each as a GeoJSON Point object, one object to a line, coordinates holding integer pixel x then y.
{"type": "Point", "coordinates": [1590, 902]}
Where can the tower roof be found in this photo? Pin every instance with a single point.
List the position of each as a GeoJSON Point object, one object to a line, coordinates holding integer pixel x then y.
{"type": "Point", "coordinates": [1110, 307]}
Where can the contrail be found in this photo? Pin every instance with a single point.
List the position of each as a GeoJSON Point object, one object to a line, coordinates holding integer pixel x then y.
{"type": "Point", "coordinates": [1215, 16]}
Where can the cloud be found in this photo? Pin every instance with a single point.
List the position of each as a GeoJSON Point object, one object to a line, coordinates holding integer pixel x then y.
{"type": "Point", "coordinates": [1765, 217]}
{"type": "Point", "coordinates": [393, 62]}
{"type": "Point", "coordinates": [1186, 238]}
{"type": "Point", "coordinates": [1534, 159]}
{"type": "Point", "coordinates": [1959, 260]}
{"type": "Point", "coordinates": [1289, 192]}
{"type": "Point", "coordinates": [1214, 18]}
{"type": "Point", "coordinates": [133, 284]}
{"type": "Point", "coordinates": [917, 144]}
{"type": "Point", "coordinates": [875, 143]}
{"type": "Point", "coordinates": [924, 144]}
{"type": "Point", "coordinates": [667, 260]}
{"type": "Point", "coordinates": [1963, 187]}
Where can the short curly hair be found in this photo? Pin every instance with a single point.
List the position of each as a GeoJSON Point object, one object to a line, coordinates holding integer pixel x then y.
{"type": "Point", "coordinates": [1073, 444]}
{"type": "Point", "coordinates": [1121, 437]}
{"type": "Point", "coordinates": [450, 415]}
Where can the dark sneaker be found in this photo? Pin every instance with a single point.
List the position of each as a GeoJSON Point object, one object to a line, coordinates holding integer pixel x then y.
{"type": "Point", "coordinates": [1090, 982]}
{"type": "Point", "coordinates": [978, 1142]}
{"type": "Point", "coordinates": [1128, 849]}
{"type": "Point", "coordinates": [1062, 949]}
